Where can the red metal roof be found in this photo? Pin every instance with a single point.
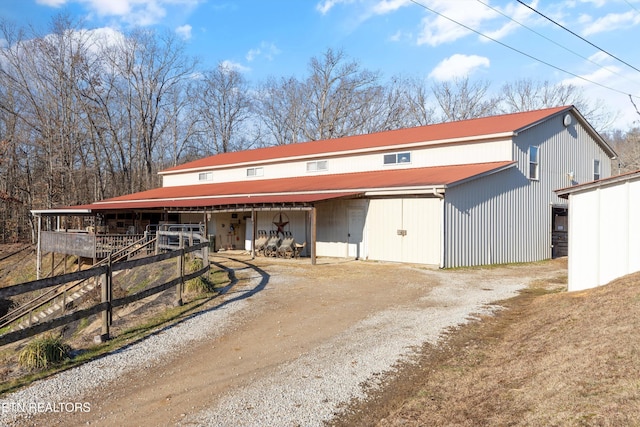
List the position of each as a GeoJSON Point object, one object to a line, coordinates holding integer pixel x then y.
{"type": "Point", "coordinates": [299, 189]}
{"type": "Point", "coordinates": [213, 201]}
{"type": "Point", "coordinates": [473, 128]}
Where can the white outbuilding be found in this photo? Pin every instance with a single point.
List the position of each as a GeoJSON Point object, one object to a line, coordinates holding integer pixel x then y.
{"type": "Point", "coordinates": [604, 230]}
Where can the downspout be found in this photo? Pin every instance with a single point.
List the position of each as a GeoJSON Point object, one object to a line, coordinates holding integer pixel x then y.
{"type": "Point", "coordinates": [440, 195]}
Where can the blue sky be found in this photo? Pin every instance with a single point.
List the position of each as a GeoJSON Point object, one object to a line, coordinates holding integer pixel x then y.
{"type": "Point", "coordinates": [277, 38]}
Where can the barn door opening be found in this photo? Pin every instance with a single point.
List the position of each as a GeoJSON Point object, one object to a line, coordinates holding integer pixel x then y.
{"type": "Point", "coordinates": [559, 231]}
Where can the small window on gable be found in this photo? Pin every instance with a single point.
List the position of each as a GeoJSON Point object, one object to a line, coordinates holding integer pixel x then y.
{"type": "Point", "coordinates": [395, 158]}
{"type": "Point", "coordinates": [596, 169]}
{"type": "Point", "coordinates": [205, 176]}
{"type": "Point", "coordinates": [320, 165]}
{"type": "Point", "coordinates": [255, 172]}
{"type": "Point", "coordinates": [534, 162]}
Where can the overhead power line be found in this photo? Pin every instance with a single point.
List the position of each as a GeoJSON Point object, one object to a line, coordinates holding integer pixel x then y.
{"type": "Point", "coordinates": [577, 35]}
{"type": "Point", "coordinates": [519, 51]}
{"type": "Point", "coordinates": [631, 6]}
{"type": "Point", "coordinates": [555, 42]}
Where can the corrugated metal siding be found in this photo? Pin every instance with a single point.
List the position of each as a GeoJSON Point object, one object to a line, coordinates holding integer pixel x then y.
{"type": "Point", "coordinates": [505, 217]}
{"type": "Point", "coordinates": [481, 221]}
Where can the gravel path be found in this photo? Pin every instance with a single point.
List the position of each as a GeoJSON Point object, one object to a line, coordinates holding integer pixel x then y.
{"type": "Point", "coordinates": [307, 390]}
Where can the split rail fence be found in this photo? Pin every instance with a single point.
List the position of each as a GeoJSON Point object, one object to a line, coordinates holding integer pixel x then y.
{"type": "Point", "coordinates": [102, 274]}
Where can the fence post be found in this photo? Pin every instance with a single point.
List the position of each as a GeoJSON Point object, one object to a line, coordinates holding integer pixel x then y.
{"type": "Point", "coordinates": [105, 291]}
{"type": "Point", "coordinates": [180, 272]}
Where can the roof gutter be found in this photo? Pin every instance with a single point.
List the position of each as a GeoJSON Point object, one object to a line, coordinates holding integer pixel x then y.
{"type": "Point", "coordinates": [61, 211]}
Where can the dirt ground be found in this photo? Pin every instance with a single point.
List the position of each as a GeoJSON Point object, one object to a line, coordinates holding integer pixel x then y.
{"type": "Point", "coordinates": [317, 303]}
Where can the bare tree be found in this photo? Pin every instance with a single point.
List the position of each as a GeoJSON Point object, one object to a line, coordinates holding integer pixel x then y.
{"type": "Point", "coordinates": [419, 109]}
{"type": "Point", "coordinates": [338, 91]}
{"type": "Point", "coordinates": [627, 146]}
{"type": "Point", "coordinates": [384, 108]}
{"type": "Point", "coordinates": [223, 107]}
{"type": "Point", "coordinates": [39, 74]}
{"type": "Point", "coordinates": [181, 134]}
{"type": "Point", "coordinates": [464, 99]}
{"type": "Point", "coordinates": [154, 65]}
{"type": "Point", "coordinates": [528, 95]}
{"type": "Point", "coordinates": [282, 109]}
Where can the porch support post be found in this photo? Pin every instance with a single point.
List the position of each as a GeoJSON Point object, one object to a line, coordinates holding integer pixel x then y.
{"type": "Point", "coordinates": [39, 250]}
{"type": "Point", "coordinates": [205, 250]}
{"type": "Point", "coordinates": [254, 224]}
{"type": "Point", "coordinates": [312, 214]}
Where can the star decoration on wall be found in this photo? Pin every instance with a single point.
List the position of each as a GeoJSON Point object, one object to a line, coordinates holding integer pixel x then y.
{"type": "Point", "coordinates": [280, 224]}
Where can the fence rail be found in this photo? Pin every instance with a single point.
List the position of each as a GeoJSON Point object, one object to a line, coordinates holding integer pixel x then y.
{"type": "Point", "coordinates": [104, 275]}
{"type": "Point", "coordinates": [61, 292]}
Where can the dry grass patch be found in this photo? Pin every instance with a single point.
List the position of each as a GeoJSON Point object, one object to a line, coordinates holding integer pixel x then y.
{"type": "Point", "coordinates": [569, 359]}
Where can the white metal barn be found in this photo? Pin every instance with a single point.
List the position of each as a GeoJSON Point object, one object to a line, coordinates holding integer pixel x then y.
{"type": "Point", "coordinates": [464, 193]}
{"type": "Point", "coordinates": [604, 233]}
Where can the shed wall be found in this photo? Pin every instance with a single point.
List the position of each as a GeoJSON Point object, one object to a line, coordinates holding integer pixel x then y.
{"type": "Point", "coordinates": [604, 235]}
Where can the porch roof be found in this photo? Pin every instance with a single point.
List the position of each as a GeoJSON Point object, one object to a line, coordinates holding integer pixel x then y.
{"type": "Point", "coordinates": [294, 191]}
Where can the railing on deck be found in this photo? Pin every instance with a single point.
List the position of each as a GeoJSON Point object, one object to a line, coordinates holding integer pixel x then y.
{"type": "Point", "coordinates": [96, 246]}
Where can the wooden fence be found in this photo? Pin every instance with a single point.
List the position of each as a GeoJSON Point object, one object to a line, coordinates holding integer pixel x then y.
{"type": "Point", "coordinates": [104, 274]}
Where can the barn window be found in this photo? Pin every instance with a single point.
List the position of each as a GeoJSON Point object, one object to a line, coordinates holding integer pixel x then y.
{"type": "Point", "coordinates": [596, 169]}
{"type": "Point", "coordinates": [320, 165]}
{"type": "Point", "coordinates": [205, 176]}
{"type": "Point", "coordinates": [534, 162]}
{"type": "Point", "coordinates": [255, 172]}
{"type": "Point", "coordinates": [394, 158]}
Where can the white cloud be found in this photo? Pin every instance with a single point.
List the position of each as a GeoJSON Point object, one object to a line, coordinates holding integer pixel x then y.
{"type": "Point", "coordinates": [184, 31]}
{"type": "Point", "coordinates": [134, 12]}
{"type": "Point", "coordinates": [440, 29]}
{"type": "Point", "coordinates": [52, 3]}
{"type": "Point", "coordinates": [230, 65]}
{"type": "Point", "coordinates": [386, 6]}
{"type": "Point", "coordinates": [117, 7]}
{"type": "Point", "coordinates": [325, 6]}
{"type": "Point", "coordinates": [266, 50]}
{"type": "Point", "coordinates": [612, 22]}
{"type": "Point", "coordinates": [458, 65]}
{"type": "Point", "coordinates": [374, 7]}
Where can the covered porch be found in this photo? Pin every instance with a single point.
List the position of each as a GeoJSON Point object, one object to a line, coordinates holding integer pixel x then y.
{"type": "Point", "coordinates": [228, 223]}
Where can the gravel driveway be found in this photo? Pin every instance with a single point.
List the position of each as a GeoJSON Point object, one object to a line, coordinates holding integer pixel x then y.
{"type": "Point", "coordinates": [287, 345]}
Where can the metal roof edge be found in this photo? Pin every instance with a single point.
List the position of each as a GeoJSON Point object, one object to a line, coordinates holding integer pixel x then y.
{"type": "Point", "coordinates": [61, 211]}
{"type": "Point", "coordinates": [483, 174]}
{"type": "Point", "coordinates": [605, 182]}
{"type": "Point", "coordinates": [583, 121]}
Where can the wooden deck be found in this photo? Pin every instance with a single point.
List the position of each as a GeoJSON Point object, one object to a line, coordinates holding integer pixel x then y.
{"type": "Point", "coordinates": [82, 244]}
